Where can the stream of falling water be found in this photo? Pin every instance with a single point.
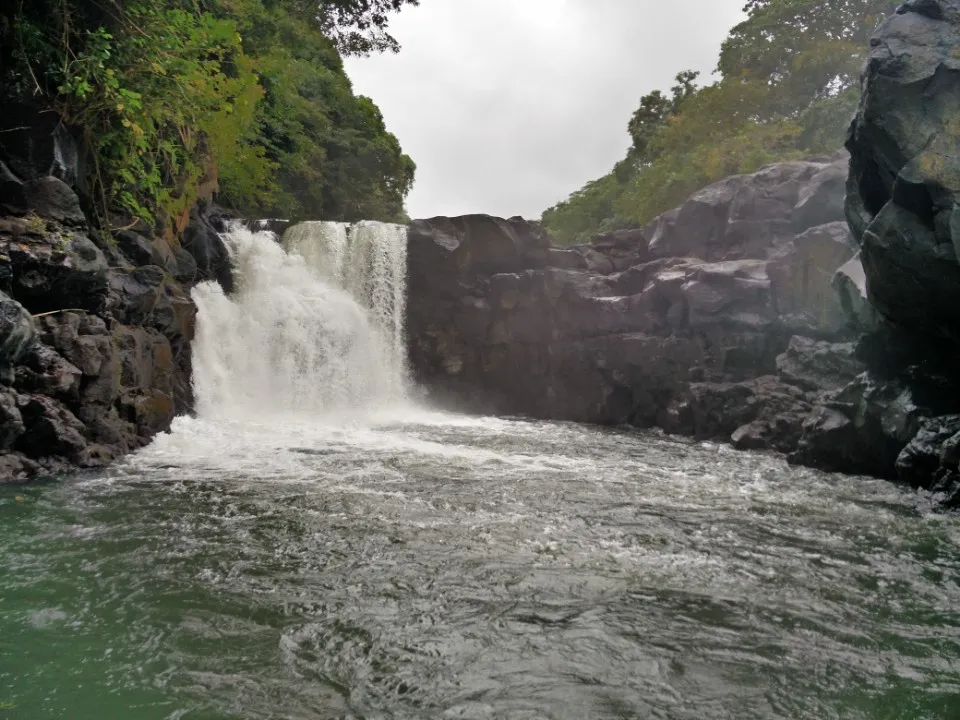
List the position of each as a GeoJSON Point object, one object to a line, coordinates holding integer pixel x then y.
{"type": "Point", "coordinates": [315, 329]}
{"type": "Point", "coordinates": [313, 545]}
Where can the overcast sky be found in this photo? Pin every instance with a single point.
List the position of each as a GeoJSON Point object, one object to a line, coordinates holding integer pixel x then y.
{"type": "Point", "coordinates": [508, 106]}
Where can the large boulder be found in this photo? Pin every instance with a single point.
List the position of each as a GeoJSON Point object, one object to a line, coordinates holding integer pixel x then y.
{"type": "Point", "coordinates": [53, 268]}
{"type": "Point", "coordinates": [817, 365]}
{"type": "Point", "coordinates": [861, 428]}
{"type": "Point", "coordinates": [750, 216]}
{"type": "Point", "coordinates": [757, 414]}
{"type": "Point", "coordinates": [932, 459]}
{"type": "Point", "coordinates": [447, 248]}
{"type": "Point", "coordinates": [201, 240]}
{"type": "Point", "coordinates": [903, 198]}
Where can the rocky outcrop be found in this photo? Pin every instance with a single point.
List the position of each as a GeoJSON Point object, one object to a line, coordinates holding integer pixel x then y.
{"type": "Point", "coordinates": [686, 324]}
{"type": "Point", "coordinates": [904, 185]}
{"type": "Point", "coordinates": [903, 288]}
{"type": "Point", "coordinates": [751, 313]}
{"type": "Point", "coordinates": [95, 328]}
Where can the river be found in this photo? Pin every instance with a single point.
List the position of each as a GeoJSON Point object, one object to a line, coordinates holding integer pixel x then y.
{"type": "Point", "coordinates": [317, 545]}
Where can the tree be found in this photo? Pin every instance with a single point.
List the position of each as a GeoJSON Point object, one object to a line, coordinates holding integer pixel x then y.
{"type": "Point", "coordinates": [360, 26]}
{"type": "Point", "coordinates": [168, 92]}
{"type": "Point", "coordinates": [804, 50]}
{"type": "Point", "coordinates": [788, 88]}
{"type": "Point", "coordinates": [654, 111]}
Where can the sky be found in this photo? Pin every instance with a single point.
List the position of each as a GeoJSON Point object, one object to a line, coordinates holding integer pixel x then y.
{"type": "Point", "coordinates": [508, 106]}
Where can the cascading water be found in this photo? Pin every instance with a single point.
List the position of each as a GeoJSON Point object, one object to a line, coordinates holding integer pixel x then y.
{"type": "Point", "coordinates": [369, 261]}
{"type": "Point", "coordinates": [316, 330]}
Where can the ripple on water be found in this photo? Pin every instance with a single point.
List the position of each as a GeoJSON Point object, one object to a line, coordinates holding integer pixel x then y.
{"type": "Point", "coordinates": [434, 566]}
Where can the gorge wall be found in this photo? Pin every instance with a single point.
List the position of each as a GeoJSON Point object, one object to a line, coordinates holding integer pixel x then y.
{"type": "Point", "coordinates": [95, 328]}
{"type": "Point", "coordinates": [718, 319]}
{"type": "Point", "coordinates": [751, 313]}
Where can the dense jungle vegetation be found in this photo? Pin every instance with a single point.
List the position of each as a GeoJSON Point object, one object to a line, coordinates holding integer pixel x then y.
{"type": "Point", "coordinates": [788, 87]}
{"type": "Point", "coordinates": [172, 94]}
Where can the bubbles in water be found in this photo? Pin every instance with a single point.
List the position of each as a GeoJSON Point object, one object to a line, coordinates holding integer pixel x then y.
{"type": "Point", "coordinates": [316, 330]}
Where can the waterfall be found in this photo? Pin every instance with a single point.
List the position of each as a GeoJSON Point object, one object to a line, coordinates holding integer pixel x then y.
{"type": "Point", "coordinates": [314, 326]}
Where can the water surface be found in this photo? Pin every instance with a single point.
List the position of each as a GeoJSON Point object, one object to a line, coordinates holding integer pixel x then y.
{"type": "Point", "coordinates": [437, 566]}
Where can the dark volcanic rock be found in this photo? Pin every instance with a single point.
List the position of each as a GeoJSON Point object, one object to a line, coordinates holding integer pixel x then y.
{"type": "Point", "coordinates": [104, 363]}
{"type": "Point", "coordinates": [52, 198]}
{"type": "Point", "coordinates": [46, 197]}
{"type": "Point", "coordinates": [802, 274]}
{"type": "Point", "coordinates": [861, 428]}
{"type": "Point", "coordinates": [45, 371]}
{"type": "Point", "coordinates": [11, 422]}
{"type": "Point", "coordinates": [750, 216]}
{"type": "Point", "coordinates": [51, 429]}
{"type": "Point", "coordinates": [476, 245]}
{"type": "Point", "coordinates": [201, 240]}
{"type": "Point", "coordinates": [930, 460]}
{"type": "Point", "coordinates": [566, 259]}
{"type": "Point", "coordinates": [850, 282]}
{"type": "Point", "coordinates": [58, 270]}
{"type": "Point", "coordinates": [17, 332]}
{"type": "Point", "coordinates": [500, 321]}
{"type": "Point", "coordinates": [904, 185]}
{"type": "Point", "coordinates": [816, 365]}
{"type": "Point", "coordinates": [36, 144]}
{"type": "Point", "coordinates": [757, 414]}
{"type": "Point", "coordinates": [135, 247]}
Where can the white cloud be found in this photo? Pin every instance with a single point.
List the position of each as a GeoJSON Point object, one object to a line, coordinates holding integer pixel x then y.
{"type": "Point", "coordinates": [507, 106]}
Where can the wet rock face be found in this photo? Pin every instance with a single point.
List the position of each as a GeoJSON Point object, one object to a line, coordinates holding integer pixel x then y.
{"type": "Point", "coordinates": [901, 290]}
{"type": "Point", "coordinates": [95, 331]}
{"type": "Point", "coordinates": [751, 216]}
{"type": "Point", "coordinates": [37, 145]}
{"type": "Point", "coordinates": [17, 333]}
{"type": "Point", "coordinates": [679, 324]}
{"type": "Point", "coordinates": [904, 184]}
{"type": "Point", "coordinates": [932, 459]}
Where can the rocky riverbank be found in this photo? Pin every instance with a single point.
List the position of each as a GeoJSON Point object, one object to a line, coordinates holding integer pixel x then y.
{"type": "Point", "coordinates": [751, 313]}
{"type": "Point", "coordinates": [718, 320]}
{"type": "Point", "coordinates": [96, 327]}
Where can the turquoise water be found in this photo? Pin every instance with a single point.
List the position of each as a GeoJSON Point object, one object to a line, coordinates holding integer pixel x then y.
{"type": "Point", "coordinates": [448, 567]}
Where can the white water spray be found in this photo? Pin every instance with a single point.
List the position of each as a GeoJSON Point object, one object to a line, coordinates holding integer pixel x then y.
{"type": "Point", "coordinates": [317, 330]}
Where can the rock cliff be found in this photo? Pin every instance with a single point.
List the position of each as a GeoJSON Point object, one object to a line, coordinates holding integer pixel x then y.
{"type": "Point", "coordinates": [902, 204]}
{"type": "Point", "coordinates": [718, 320]}
{"type": "Point", "coordinates": [95, 328]}
{"type": "Point", "coordinates": [749, 314]}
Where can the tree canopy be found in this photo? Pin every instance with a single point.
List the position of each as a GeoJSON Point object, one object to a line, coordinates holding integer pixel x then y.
{"type": "Point", "coordinates": [170, 92]}
{"type": "Point", "coordinates": [788, 87]}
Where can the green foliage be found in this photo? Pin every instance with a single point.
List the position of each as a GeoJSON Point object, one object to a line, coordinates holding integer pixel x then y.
{"type": "Point", "coordinates": [788, 88]}
{"type": "Point", "coordinates": [335, 158]}
{"type": "Point", "coordinates": [358, 26]}
{"type": "Point", "coordinates": [175, 94]}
